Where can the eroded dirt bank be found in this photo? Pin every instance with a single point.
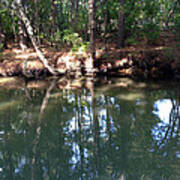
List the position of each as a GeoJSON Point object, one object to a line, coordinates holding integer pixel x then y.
{"type": "Point", "coordinates": [155, 62]}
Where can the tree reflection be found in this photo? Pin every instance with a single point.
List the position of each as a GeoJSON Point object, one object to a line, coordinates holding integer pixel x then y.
{"type": "Point", "coordinates": [84, 134]}
{"type": "Point", "coordinates": [38, 129]}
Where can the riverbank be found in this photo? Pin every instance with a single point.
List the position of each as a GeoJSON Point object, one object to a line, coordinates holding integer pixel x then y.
{"type": "Point", "coordinates": [105, 84]}
{"type": "Point", "coordinates": [158, 61]}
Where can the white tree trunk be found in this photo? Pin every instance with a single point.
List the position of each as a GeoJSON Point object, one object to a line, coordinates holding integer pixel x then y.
{"type": "Point", "coordinates": [21, 14]}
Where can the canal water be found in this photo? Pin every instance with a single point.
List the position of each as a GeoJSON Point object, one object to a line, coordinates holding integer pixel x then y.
{"type": "Point", "coordinates": [108, 131]}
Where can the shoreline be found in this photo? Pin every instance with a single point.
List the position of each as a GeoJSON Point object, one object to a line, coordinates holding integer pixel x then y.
{"type": "Point", "coordinates": [139, 62]}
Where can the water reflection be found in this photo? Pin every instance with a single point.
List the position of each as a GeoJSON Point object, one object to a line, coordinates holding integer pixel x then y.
{"type": "Point", "coordinates": [87, 134]}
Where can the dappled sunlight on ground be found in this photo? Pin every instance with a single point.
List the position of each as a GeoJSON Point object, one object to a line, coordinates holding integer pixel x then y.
{"type": "Point", "coordinates": [143, 60]}
{"type": "Point", "coordinates": [26, 55]}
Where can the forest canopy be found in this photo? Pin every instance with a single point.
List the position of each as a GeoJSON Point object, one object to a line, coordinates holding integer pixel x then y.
{"type": "Point", "coordinates": [58, 21]}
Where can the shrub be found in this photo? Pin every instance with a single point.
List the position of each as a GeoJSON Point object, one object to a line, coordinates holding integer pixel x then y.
{"type": "Point", "coordinates": [73, 39]}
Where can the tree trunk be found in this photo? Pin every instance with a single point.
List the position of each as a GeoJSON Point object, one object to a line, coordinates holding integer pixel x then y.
{"type": "Point", "coordinates": [77, 6]}
{"type": "Point", "coordinates": [22, 16]}
{"type": "Point", "coordinates": [72, 11]}
{"type": "Point", "coordinates": [121, 22]}
{"type": "Point", "coordinates": [37, 21]}
{"type": "Point", "coordinates": [54, 24]}
{"type": "Point", "coordinates": [106, 22]}
{"type": "Point", "coordinates": [22, 38]}
{"type": "Point", "coordinates": [92, 27]}
{"type": "Point", "coordinates": [14, 28]}
{"type": "Point", "coordinates": [3, 38]}
{"type": "Point", "coordinates": [60, 15]}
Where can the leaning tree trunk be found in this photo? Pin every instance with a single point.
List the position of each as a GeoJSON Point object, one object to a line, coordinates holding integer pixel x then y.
{"type": "Point", "coordinates": [121, 21]}
{"type": "Point", "coordinates": [22, 16]}
{"type": "Point", "coordinates": [92, 27]}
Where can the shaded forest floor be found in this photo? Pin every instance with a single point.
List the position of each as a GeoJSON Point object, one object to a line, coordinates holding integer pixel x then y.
{"type": "Point", "coordinates": [157, 61]}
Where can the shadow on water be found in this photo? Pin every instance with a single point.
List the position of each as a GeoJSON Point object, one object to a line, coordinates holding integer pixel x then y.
{"type": "Point", "coordinates": [105, 132]}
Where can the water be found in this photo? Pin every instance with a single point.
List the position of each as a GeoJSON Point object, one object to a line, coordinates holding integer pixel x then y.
{"type": "Point", "coordinates": [105, 132]}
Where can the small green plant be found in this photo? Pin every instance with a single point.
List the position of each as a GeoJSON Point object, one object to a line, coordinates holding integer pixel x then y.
{"type": "Point", "coordinates": [177, 29]}
{"type": "Point", "coordinates": [151, 32]}
{"type": "Point", "coordinates": [1, 47]}
{"type": "Point", "coordinates": [169, 53]}
{"type": "Point", "coordinates": [131, 41]}
{"type": "Point", "coordinates": [73, 39]}
{"type": "Point", "coordinates": [42, 36]}
{"type": "Point", "coordinates": [57, 36]}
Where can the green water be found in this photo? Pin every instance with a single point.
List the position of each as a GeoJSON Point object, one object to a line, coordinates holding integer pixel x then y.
{"type": "Point", "coordinates": [108, 132]}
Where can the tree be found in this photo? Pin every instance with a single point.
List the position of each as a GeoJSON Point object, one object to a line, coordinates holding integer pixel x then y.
{"type": "Point", "coordinates": [2, 37]}
{"type": "Point", "coordinates": [22, 16]}
{"type": "Point", "coordinates": [121, 28]}
{"type": "Point", "coordinates": [58, 23]}
{"type": "Point", "coordinates": [92, 28]}
{"type": "Point", "coordinates": [22, 35]}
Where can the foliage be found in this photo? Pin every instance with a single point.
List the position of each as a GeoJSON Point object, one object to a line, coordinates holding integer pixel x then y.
{"type": "Point", "coordinates": [67, 21]}
{"type": "Point", "coordinates": [177, 26]}
{"type": "Point", "coordinates": [5, 21]}
{"type": "Point", "coordinates": [73, 39]}
{"type": "Point", "coordinates": [151, 32]}
{"type": "Point", "coordinates": [1, 47]}
{"type": "Point", "coordinates": [131, 41]}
